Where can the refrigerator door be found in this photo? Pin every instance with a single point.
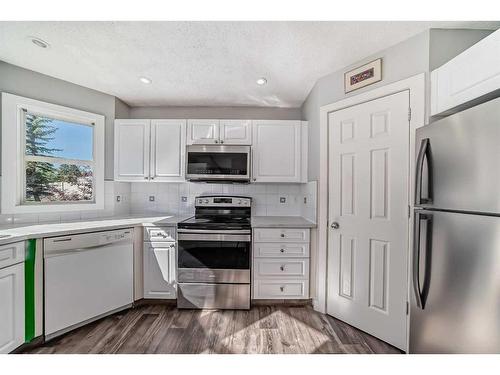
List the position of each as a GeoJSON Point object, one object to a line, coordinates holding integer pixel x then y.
{"type": "Point", "coordinates": [455, 297]}
{"type": "Point", "coordinates": [458, 161]}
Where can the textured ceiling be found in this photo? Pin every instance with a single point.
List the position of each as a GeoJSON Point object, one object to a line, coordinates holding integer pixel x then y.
{"type": "Point", "coordinates": [202, 63]}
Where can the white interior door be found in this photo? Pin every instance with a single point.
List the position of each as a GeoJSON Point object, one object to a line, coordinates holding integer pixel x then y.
{"type": "Point", "coordinates": [368, 216]}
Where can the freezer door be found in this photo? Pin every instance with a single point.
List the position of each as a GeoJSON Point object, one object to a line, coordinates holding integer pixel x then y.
{"type": "Point", "coordinates": [455, 294]}
{"type": "Point", "coordinates": [458, 161]}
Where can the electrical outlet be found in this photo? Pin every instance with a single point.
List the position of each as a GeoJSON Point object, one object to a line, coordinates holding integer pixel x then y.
{"type": "Point", "coordinates": [282, 200]}
{"type": "Point", "coordinates": [305, 200]}
{"type": "Point", "coordinates": [184, 199]}
{"type": "Point", "coordinates": [151, 198]}
{"type": "Point", "coordinates": [118, 198]}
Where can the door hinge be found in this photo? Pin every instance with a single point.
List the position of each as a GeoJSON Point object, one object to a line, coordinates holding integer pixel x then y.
{"type": "Point", "coordinates": [409, 113]}
{"type": "Point", "coordinates": [409, 211]}
{"type": "Point", "coordinates": [407, 307]}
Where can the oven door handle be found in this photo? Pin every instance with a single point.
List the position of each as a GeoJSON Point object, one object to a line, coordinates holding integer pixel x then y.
{"type": "Point", "coordinates": [213, 231]}
{"type": "Point", "coordinates": [214, 237]}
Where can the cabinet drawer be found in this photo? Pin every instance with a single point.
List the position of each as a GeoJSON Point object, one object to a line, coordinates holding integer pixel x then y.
{"type": "Point", "coordinates": [264, 249]}
{"type": "Point", "coordinates": [296, 268]}
{"type": "Point", "coordinates": [281, 235]}
{"type": "Point", "coordinates": [281, 289]}
{"type": "Point", "coordinates": [159, 234]}
{"type": "Point", "coordinates": [11, 254]}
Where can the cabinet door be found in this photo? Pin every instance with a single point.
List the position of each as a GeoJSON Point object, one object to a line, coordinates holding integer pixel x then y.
{"type": "Point", "coordinates": [277, 151]}
{"type": "Point", "coordinates": [473, 73]}
{"type": "Point", "coordinates": [168, 147]}
{"type": "Point", "coordinates": [201, 132]}
{"type": "Point", "coordinates": [132, 150]}
{"type": "Point", "coordinates": [236, 132]}
{"type": "Point", "coordinates": [11, 307]}
{"type": "Point", "coordinates": [159, 270]}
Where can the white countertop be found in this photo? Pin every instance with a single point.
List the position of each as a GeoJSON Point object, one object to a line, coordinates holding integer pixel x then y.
{"type": "Point", "coordinates": [281, 222]}
{"type": "Point", "coordinates": [23, 232]}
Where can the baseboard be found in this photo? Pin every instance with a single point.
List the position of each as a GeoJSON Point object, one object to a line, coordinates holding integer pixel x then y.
{"type": "Point", "coordinates": [154, 301]}
{"type": "Point", "coordinates": [282, 302]}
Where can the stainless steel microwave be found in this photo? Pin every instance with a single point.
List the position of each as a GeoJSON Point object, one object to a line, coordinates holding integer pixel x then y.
{"type": "Point", "coordinates": [218, 163]}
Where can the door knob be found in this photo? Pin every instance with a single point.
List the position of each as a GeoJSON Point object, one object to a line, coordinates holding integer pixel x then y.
{"type": "Point", "coordinates": [335, 225]}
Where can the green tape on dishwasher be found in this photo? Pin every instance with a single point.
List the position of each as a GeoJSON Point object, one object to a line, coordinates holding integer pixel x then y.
{"type": "Point", "coordinates": [29, 291]}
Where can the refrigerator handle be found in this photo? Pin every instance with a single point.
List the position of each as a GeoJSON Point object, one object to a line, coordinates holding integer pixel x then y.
{"type": "Point", "coordinates": [421, 292]}
{"type": "Point", "coordinates": [424, 155]}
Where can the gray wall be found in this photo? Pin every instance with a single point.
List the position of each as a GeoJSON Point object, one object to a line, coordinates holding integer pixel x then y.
{"type": "Point", "coordinates": [254, 113]}
{"type": "Point", "coordinates": [122, 109]}
{"type": "Point", "coordinates": [398, 62]}
{"type": "Point", "coordinates": [445, 44]}
{"type": "Point", "coordinates": [30, 84]}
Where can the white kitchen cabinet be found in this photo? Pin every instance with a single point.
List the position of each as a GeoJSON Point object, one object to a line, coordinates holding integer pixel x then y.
{"type": "Point", "coordinates": [279, 151]}
{"type": "Point", "coordinates": [473, 73]}
{"type": "Point", "coordinates": [11, 307]}
{"type": "Point", "coordinates": [168, 149]}
{"type": "Point", "coordinates": [235, 132]}
{"type": "Point", "coordinates": [150, 150]}
{"type": "Point", "coordinates": [280, 264]}
{"type": "Point", "coordinates": [229, 132]}
{"type": "Point", "coordinates": [159, 270]}
{"type": "Point", "coordinates": [203, 132]}
{"type": "Point", "coordinates": [132, 142]}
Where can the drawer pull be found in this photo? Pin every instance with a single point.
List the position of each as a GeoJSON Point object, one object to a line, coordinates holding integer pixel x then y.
{"type": "Point", "coordinates": [282, 268]}
{"type": "Point", "coordinates": [282, 250]}
{"type": "Point", "coordinates": [282, 288]}
{"type": "Point", "coordinates": [283, 235]}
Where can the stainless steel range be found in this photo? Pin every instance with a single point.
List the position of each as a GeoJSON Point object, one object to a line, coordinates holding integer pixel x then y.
{"type": "Point", "coordinates": [213, 259]}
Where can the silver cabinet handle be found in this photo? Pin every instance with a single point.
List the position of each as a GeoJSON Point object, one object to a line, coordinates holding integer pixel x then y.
{"type": "Point", "coordinates": [282, 268]}
{"type": "Point", "coordinates": [335, 225]}
{"type": "Point", "coordinates": [282, 235]}
{"type": "Point", "coordinates": [221, 141]}
{"type": "Point", "coordinates": [282, 288]}
{"type": "Point", "coordinates": [282, 250]}
{"type": "Point", "coordinates": [152, 178]}
{"type": "Point", "coordinates": [216, 141]}
{"type": "Point", "coordinates": [146, 178]}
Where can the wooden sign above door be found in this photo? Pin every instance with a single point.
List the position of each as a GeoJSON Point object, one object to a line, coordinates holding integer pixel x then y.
{"type": "Point", "coordinates": [363, 76]}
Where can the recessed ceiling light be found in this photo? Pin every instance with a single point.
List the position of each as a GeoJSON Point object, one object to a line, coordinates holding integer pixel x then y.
{"type": "Point", "coordinates": [145, 80]}
{"type": "Point", "coordinates": [261, 81]}
{"type": "Point", "coordinates": [39, 42]}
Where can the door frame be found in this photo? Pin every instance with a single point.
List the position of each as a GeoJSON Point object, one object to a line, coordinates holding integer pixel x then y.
{"type": "Point", "coordinates": [417, 89]}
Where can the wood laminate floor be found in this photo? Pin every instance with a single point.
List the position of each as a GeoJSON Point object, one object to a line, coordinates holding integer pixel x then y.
{"type": "Point", "coordinates": [263, 329]}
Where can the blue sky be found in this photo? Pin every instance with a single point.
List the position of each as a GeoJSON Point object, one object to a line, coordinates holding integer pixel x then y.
{"type": "Point", "coordinates": [74, 139]}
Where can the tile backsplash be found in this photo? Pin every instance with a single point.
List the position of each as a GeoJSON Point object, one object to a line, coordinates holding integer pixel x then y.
{"type": "Point", "coordinates": [123, 198]}
{"type": "Point", "coordinates": [268, 199]}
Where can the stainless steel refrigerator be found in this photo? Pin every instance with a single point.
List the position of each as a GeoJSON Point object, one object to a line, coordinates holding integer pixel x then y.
{"type": "Point", "coordinates": [455, 265]}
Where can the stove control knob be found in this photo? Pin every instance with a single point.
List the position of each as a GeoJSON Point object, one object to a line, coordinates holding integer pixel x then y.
{"type": "Point", "coordinates": [206, 200]}
{"type": "Point", "coordinates": [200, 201]}
{"type": "Point", "coordinates": [240, 201]}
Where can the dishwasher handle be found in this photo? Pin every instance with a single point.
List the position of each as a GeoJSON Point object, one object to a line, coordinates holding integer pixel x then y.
{"type": "Point", "coordinates": [85, 241]}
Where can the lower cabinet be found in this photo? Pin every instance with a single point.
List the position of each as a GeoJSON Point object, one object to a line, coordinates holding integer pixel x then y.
{"type": "Point", "coordinates": [159, 269]}
{"type": "Point", "coordinates": [280, 263]}
{"type": "Point", "coordinates": [11, 307]}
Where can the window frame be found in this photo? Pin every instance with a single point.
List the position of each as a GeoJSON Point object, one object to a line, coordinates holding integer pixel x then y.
{"type": "Point", "coordinates": [14, 109]}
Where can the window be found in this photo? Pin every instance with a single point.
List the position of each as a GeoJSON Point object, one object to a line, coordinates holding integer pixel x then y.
{"type": "Point", "coordinates": [59, 157]}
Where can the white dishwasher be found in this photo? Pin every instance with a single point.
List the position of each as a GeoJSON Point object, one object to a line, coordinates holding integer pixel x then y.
{"type": "Point", "coordinates": [87, 276]}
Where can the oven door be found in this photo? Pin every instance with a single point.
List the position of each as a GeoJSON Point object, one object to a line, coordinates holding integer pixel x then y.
{"type": "Point", "coordinates": [213, 163]}
{"type": "Point", "coordinates": [213, 258]}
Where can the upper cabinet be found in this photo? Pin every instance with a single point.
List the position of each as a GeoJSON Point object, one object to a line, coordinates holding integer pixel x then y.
{"type": "Point", "coordinates": [209, 132]}
{"type": "Point", "coordinates": [150, 150]}
{"type": "Point", "coordinates": [203, 132]}
{"type": "Point", "coordinates": [132, 150]}
{"type": "Point", "coordinates": [473, 73]}
{"type": "Point", "coordinates": [279, 151]}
